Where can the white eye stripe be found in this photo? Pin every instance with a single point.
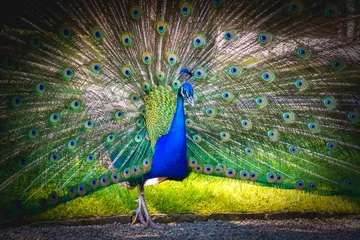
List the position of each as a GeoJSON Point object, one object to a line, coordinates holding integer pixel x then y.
{"type": "Point", "coordinates": [182, 91]}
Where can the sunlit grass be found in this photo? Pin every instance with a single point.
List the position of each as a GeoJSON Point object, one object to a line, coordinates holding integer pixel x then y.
{"type": "Point", "coordinates": [201, 195]}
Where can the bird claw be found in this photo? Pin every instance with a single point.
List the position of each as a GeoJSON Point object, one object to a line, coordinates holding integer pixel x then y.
{"type": "Point", "coordinates": [141, 214]}
{"type": "Point", "coordinates": [156, 225]}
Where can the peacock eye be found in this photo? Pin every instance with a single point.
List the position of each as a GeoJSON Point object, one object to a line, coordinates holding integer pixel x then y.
{"type": "Point", "coordinates": [161, 27]}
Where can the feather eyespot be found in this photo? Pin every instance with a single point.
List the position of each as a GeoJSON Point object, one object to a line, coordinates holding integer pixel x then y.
{"type": "Point", "coordinates": [146, 58]}
{"type": "Point", "coordinates": [185, 9]}
{"type": "Point", "coordinates": [197, 138]}
{"type": "Point", "coordinates": [303, 52]}
{"type": "Point", "coordinates": [134, 98]}
{"type": "Point", "coordinates": [349, 183]}
{"type": "Point", "coordinates": [261, 101]}
{"type": "Point", "coordinates": [331, 145]}
{"type": "Point", "coordinates": [147, 163]}
{"type": "Point", "coordinates": [139, 122]}
{"type": "Point", "coordinates": [331, 11]}
{"type": "Point", "coordinates": [40, 89]}
{"type": "Point", "coordinates": [110, 138]}
{"type": "Point", "coordinates": [254, 176]}
{"type": "Point", "coordinates": [227, 96]}
{"type": "Point", "coordinates": [126, 173]}
{"type": "Point", "coordinates": [288, 117]}
{"type": "Point", "coordinates": [208, 169]}
{"type": "Point", "coordinates": [65, 33]}
{"type": "Point", "coordinates": [34, 42]}
{"type": "Point", "coordinates": [82, 190]}
{"type": "Point", "coordinates": [198, 168]}
{"type": "Point", "coordinates": [104, 181]}
{"type": "Point", "coordinates": [135, 171]}
{"type": "Point", "coordinates": [192, 162]}
{"type": "Point", "coordinates": [264, 38]}
{"type": "Point", "coordinates": [97, 34]}
{"type": "Point", "coordinates": [299, 184]}
{"type": "Point", "coordinates": [314, 127]}
{"type": "Point", "coordinates": [8, 63]}
{"type": "Point", "coordinates": [126, 40]}
{"type": "Point", "coordinates": [220, 168]}
{"type": "Point", "coordinates": [33, 133]}
{"type": "Point", "coordinates": [295, 7]}
{"type": "Point", "coordinates": [200, 73]}
{"type": "Point", "coordinates": [175, 84]}
{"type": "Point", "coordinates": [229, 35]}
{"type": "Point", "coordinates": [135, 12]}
{"type": "Point", "coordinates": [115, 178]}
{"type": "Point", "coordinates": [293, 150]}
{"type": "Point", "coordinates": [353, 117]}
{"type": "Point", "coordinates": [138, 138]}
{"type": "Point", "coordinates": [161, 27]}
{"type": "Point", "coordinates": [249, 151]}
{"type": "Point", "coordinates": [88, 125]}
{"type": "Point", "coordinates": [94, 183]}
{"type": "Point", "coordinates": [67, 74]}
{"type": "Point", "coordinates": [160, 75]}
{"type": "Point", "coordinates": [246, 124]}
{"type": "Point", "coordinates": [217, 3]}
{"type": "Point", "coordinates": [211, 112]}
{"type": "Point", "coordinates": [301, 84]}
{"type": "Point", "coordinates": [90, 158]}
{"type": "Point", "coordinates": [172, 59]}
{"type": "Point", "coordinates": [95, 67]}
{"type": "Point", "coordinates": [235, 70]}
{"type": "Point", "coordinates": [280, 178]}
{"type": "Point", "coordinates": [338, 64]}
{"type": "Point", "coordinates": [118, 115]}
{"type": "Point", "coordinates": [22, 162]}
{"type": "Point", "coordinates": [53, 197]}
{"type": "Point", "coordinates": [225, 136]}
{"type": "Point", "coordinates": [16, 102]}
{"type": "Point", "coordinates": [273, 134]}
{"type": "Point", "coordinates": [199, 41]}
{"type": "Point", "coordinates": [330, 103]}
{"type": "Point", "coordinates": [271, 177]}
{"type": "Point", "coordinates": [72, 192]}
{"type": "Point", "coordinates": [267, 76]}
{"type": "Point", "coordinates": [244, 175]}
{"type": "Point", "coordinates": [126, 71]}
{"type": "Point", "coordinates": [71, 145]}
{"type": "Point", "coordinates": [189, 122]}
{"type": "Point", "coordinates": [313, 186]}
{"type": "Point", "coordinates": [230, 173]}
{"type": "Point", "coordinates": [54, 157]}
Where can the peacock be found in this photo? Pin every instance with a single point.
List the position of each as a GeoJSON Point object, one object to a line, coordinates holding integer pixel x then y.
{"type": "Point", "coordinates": [134, 93]}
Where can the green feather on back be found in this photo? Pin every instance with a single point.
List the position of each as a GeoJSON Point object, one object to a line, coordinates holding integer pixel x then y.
{"type": "Point", "coordinates": [160, 106]}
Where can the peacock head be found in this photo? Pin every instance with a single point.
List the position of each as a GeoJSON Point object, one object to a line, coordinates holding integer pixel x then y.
{"type": "Point", "coordinates": [186, 92]}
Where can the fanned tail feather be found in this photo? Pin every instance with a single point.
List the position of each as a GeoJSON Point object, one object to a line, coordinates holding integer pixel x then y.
{"type": "Point", "coordinates": [276, 94]}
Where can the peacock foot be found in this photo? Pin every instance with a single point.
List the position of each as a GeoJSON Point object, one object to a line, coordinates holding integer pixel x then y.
{"type": "Point", "coordinates": [139, 214]}
{"type": "Point", "coordinates": [142, 214]}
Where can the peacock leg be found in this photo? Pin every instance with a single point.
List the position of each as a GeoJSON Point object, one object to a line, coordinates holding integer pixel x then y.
{"type": "Point", "coordinates": [149, 222]}
{"type": "Point", "coordinates": [138, 214]}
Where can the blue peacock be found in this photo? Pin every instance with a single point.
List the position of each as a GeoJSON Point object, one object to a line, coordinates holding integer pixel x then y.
{"type": "Point", "coordinates": [95, 93]}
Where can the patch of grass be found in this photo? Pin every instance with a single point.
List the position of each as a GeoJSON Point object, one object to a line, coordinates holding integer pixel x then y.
{"type": "Point", "coordinates": [201, 195]}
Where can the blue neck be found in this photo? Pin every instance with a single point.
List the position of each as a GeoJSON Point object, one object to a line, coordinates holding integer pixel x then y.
{"type": "Point", "coordinates": [169, 159]}
{"type": "Point", "coordinates": [178, 124]}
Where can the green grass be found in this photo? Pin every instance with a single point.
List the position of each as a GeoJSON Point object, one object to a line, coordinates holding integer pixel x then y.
{"type": "Point", "coordinates": [201, 195]}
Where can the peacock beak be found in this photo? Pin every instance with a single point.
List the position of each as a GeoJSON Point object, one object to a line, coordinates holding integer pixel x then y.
{"type": "Point", "coordinates": [190, 100]}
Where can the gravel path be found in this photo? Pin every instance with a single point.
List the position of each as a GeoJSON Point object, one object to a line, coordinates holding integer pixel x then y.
{"type": "Point", "coordinates": [248, 229]}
